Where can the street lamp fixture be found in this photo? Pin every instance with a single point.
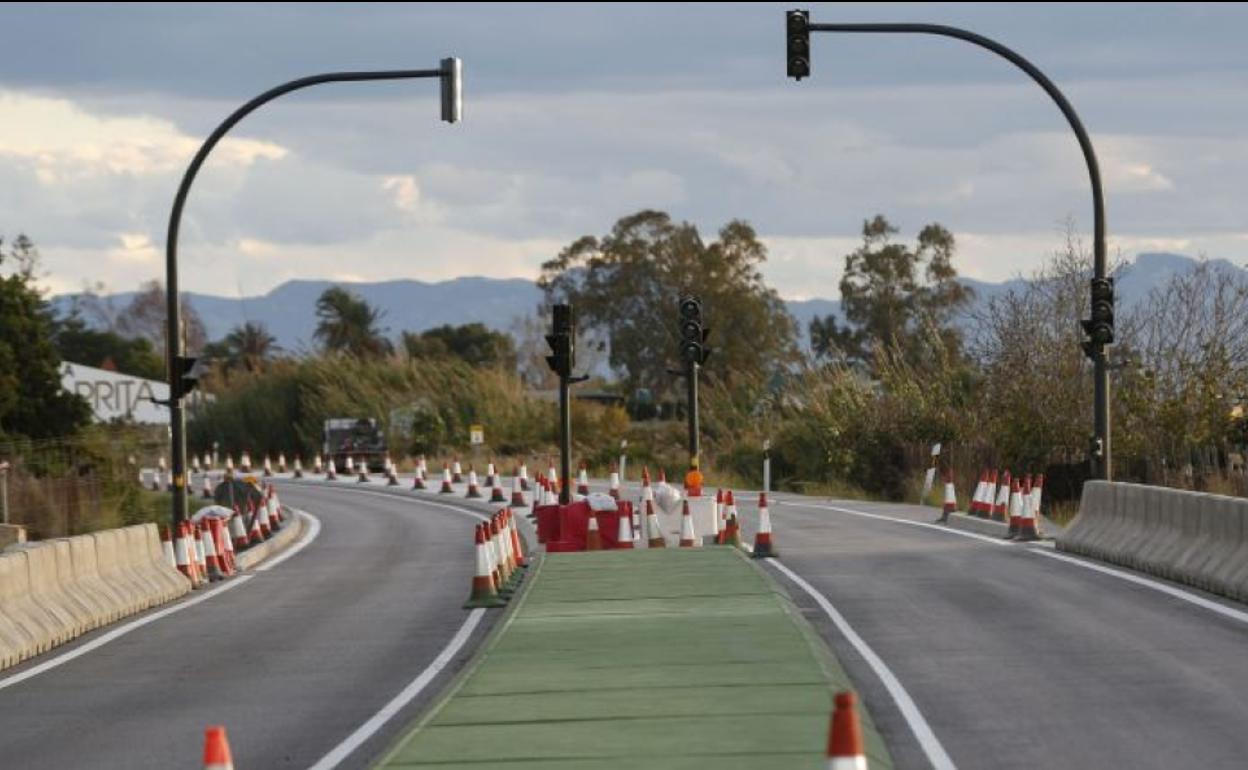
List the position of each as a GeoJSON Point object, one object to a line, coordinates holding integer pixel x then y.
{"type": "Point", "coordinates": [179, 366]}
{"type": "Point", "coordinates": [1099, 328]}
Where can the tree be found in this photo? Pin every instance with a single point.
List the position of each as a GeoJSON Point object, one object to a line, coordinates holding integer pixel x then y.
{"type": "Point", "coordinates": [247, 347]}
{"type": "Point", "coordinates": [626, 285]}
{"type": "Point", "coordinates": [474, 343]}
{"type": "Point", "coordinates": [76, 341]}
{"type": "Point", "coordinates": [348, 324]}
{"type": "Point", "coordinates": [32, 402]}
{"type": "Point", "coordinates": [891, 293]}
{"type": "Point", "coordinates": [144, 317]}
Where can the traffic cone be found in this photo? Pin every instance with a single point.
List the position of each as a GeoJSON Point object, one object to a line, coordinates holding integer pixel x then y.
{"type": "Point", "coordinates": [422, 467]}
{"type": "Point", "coordinates": [1037, 492]}
{"type": "Point", "coordinates": [229, 464]}
{"type": "Point", "coordinates": [582, 481]}
{"type": "Point", "coordinates": [207, 491]}
{"type": "Point", "coordinates": [688, 538]}
{"type": "Point", "coordinates": [348, 466]}
{"type": "Point", "coordinates": [484, 592]}
{"type": "Point", "coordinates": [614, 484]}
{"type": "Point", "coordinates": [184, 551]}
{"type": "Point", "coordinates": [552, 477]}
{"type": "Point", "coordinates": [496, 491]}
{"type": "Point", "coordinates": [593, 538]}
{"type": "Point", "coordinates": [194, 464]}
{"type": "Point", "coordinates": [977, 499]}
{"type": "Point", "coordinates": [419, 481]}
{"type": "Point", "coordinates": [951, 498]}
{"type": "Point", "coordinates": [990, 494]}
{"type": "Point", "coordinates": [845, 750]}
{"type": "Point", "coordinates": [394, 476]}
{"type": "Point", "coordinates": [446, 481]}
{"type": "Point", "coordinates": [1001, 508]}
{"type": "Point", "coordinates": [719, 517]}
{"type": "Point", "coordinates": [517, 493]}
{"type": "Point", "coordinates": [522, 561]}
{"type": "Point", "coordinates": [1016, 510]}
{"type": "Point", "coordinates": [217, 749]}
{"type": "Point", "coordinates": [457, 473]}
{"type": "Point", "coordinates": [473, 491]}
{"type": "Point", "coordinates": [763, 547]}
{"type": "Point", "coordinates": [656, 539]}
{"type": "Point", "coordinates": [255, 534]}
{"type": "Point", "coordinates": [1027, 531]}
{"type": "Point", "coordinates": [317, 466]}
{"type": "Point", "coordinates": [245, 462]}
{"type": "Point", "coordinates": [647, 491]}
{"type": "Point", "coordinates": [732, 527]}
{"type": "Point", "coordinates": [227, 546]}
{"type": "Point", "coordinates": [281, 462]}
{"type": "Point", "coordinates": [166, 547]}
{"type": "Point", "coordinates": [238, 530]}
{"type": "Point", "coordinates": [201, 557]}
{"type": "Point", "coordinates": [490, 476]}
{"type": "Point", "coordinates": [331, 472]}
{"type": "Point", "coordinates": [298, 467]}
{"type": "Point", "coordinates": [523, 473]}
{"type": "Point", "coordinates": [268, 467]}
{"type": "Point", "coordinates": [362, 466]}
{"type": "Point", "coordinates": [505, 572]}
{"type": "Point", "coordinates": [211, 563]}
{"type": "Point", "coordinates": [624, 534]}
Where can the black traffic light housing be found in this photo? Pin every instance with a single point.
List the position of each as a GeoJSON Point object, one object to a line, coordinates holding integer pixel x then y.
{"type": "Point", "coordinates": [187, 375]}
{"type": "Point", "coordinates": [562, 347]}
{"type": "Point", "coordinates": [693, 335]}
{"type": "Point", "coordinates": [1100, 327]}
{"type": "Point", "coordinates": [797, 28]}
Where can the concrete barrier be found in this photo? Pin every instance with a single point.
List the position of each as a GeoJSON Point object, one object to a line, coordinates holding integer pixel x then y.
{"type": "Point", "coordinates": [49, 593]}
{"type": "Point", "coordinates": [1189, 537]}
{"type": "Point", "coordinates": [16, 603]}
{"type": "Point", "coordinates": [110, 550]}
{"type": "Point", "coordinates": [82, 551]}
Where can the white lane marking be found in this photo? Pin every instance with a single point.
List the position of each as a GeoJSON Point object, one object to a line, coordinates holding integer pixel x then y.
{"type": "Point", "coordinates": [116, 633]}
{"type": "Point", "coordinates": [914, 718]}
{"type": "Point", "coordinates": [313, 529]}
{"type": "Point", "coordinates": [1177, 593]}
{"type": "Point", "coordinates": [414, 688]}
{"type": "Point", "coordinates": [895, 520]}
{"type": "Point", "coordinates": [119, 632]}
{"type": "Point", "coordinates": [1047, 549]}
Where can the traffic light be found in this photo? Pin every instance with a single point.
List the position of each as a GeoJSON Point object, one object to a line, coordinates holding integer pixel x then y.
{"type": "Point", "coordinates": [563, 351]}
{"type": "Point", "coordinates": [1100, 327]}
{"type": "Point", "coordinates": [187, 375]}
{"type": "Point", "coordinates": [693, 336]}
{"type": "Point", "coordinates": [798, 27]}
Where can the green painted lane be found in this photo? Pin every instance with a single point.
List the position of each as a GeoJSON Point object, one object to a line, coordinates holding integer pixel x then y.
{"type": "Point", "coordinates": [672, 658]}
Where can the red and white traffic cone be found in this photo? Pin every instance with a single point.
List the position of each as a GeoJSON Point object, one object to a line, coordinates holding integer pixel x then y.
{"type": "Point", "coordinates": [268, 467]}
{"type": "Point", "coordinates": [490, 475]}
{"type": "Point", "coordinates": [255, 534]}
{"type": "Point", "coordinates": [217, 749]}
{"type": "Point", "coordinates": [331, 470]}
{"type": "Point", "coordinates": [523, 474]}
{"type": "Point", "coordinates": [207, 490]}
{"type": "Point", "coordinates": [226, 547]}
{"type": "Point", "coordinates": [211, 562]}
{"type": "Point", "coordinates": [552, 477]}
{"type": "Point", "coordinates": [582, 480]}
{"type": "Point", "coordinates": [317, 466]}
{"type": "Point", "coordinates": [977, 500]}
{"type": "Point", "coordinates": [845, 751]}
{"type": "Point", "coordinates": [764, 548]}
{"type": "Point", "coordinates": [238, 530]}
{"type": "Point", "coordinates": [521, 560]}
{"type": "Point", "coordinates": [361, 467]}
{"type": "Point", "coordinates": [1037, 492]}
{"type": "Point", "coordinates": [732, 526]}
{"type": "Point", "coordinates": [614, 483]}
{"type": "Point", "coordinates": [593, 538]}
{"type": "Point", "coordinates": [1001, 509]}
{"type": "Point", "coordinates": [418, 482]}
{"type": "Point", "coordinates": [951, 498]}
{"type": "Point", "coordinates": [298, 467]}
{"type": "Point", "coordinates": [1027, 530]}
{"type": "Point", "coordinates": [990, 494]}
{"type": "Point", "coordinates": [656, 539]}
{"type": "Point", "coordinates": [624, 533]}
{"type": "Point", "coordinates": [457, 473]}
{"type": "Point", "coordinates": [719, 517]}
{"type": "Point", "coordinates": [505, 571]}
{"type": "Point", "coordinates": [496, 491]}
{"type": "Point", "coordinates": [201, 555]}
{"type": "Point", "coordinates": [473, 490]}
{"type": "Point", "coordinates": [166, 547]}
{"type": "Point", "coordinates": [446, 488]}
{"type": "Point", "coordinates": [245, 462]}
{"type": "Point", "coordinates": [688, 537]}
{"type": "Point", "coordinates": [392, 474]}
{"type": "Point", "coordinates": [517, 493]}
{"type": "Point", "coordinates": [1016, 510]}
{"type": "Point", "coordinates": [484, 590]}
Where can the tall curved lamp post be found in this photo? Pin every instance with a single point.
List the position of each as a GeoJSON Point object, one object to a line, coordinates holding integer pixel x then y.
{"type": "Point", "coordinates": [1100, 327]}
{"type": "Point", "coordinates": [181, 376]}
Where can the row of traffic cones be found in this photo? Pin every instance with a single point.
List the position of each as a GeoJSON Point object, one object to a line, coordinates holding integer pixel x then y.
{"type": "Point", "coordinates": [500, 561]}
{"type": "Point", "coordinates": [204, 552]}
{"type": "Point", "coordinates": [1000, 497]}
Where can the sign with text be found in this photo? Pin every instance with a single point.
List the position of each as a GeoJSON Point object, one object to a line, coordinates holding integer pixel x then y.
{"type": "Point", "coordinates": [476, 434]}
{"type": "Point", "coordinates": [113, 395]}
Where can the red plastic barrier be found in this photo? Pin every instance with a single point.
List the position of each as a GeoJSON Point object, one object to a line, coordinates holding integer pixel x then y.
{"type": "Point", "coordinates": [563, 528]}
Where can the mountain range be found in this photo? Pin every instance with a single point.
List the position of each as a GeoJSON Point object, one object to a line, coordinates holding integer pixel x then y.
{"type": "Point", "coordinates": [289, 310]}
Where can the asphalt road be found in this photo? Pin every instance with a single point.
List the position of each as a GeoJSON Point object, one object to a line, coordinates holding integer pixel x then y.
{"type": "Point", "coordinates": [291, 662]}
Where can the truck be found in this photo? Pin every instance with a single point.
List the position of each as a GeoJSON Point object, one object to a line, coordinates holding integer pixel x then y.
{"type": "Point", "coordinates": [357, 438]}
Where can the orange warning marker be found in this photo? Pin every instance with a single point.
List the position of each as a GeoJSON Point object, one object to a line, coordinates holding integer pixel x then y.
{"type": "Point", "coordinates": [217, 749]}
{"type": "Point", "coordinates": [484, 593]}
{"type": "Point", "coordinates": [763, 547]}
{"type": "Point", "coordinates": [624, 533]}
{"type": "Point", "coordinates": [845, 750]}
{"type": "Point", "coordinates": [656, 539]}
{"type": "Point", "coordinates": [593, 537]}
{"type": "Point", "coordinates": [688, 538]}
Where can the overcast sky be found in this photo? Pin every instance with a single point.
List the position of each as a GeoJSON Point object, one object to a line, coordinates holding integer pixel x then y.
{"type": "Point", "coordinates": [577, 115]}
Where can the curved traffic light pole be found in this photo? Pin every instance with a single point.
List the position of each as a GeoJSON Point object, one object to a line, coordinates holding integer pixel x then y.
{"type": "Point", "coordinates": [1101, 448]}
{"type": "Point", "coordinates": [178, 365]}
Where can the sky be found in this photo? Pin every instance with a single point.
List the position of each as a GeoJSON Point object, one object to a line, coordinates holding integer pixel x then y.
{"type": "Point", "coordinates": [577, 115]}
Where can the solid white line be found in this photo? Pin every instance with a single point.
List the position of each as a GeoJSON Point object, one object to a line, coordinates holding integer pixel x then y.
{"type": "Point", "coordinates": [1047, 549]}
{"type": "Point", "coordinates": [313, 525]}
{"type": "Point", "coordinates": [909, 522]}
{"type": "Point", "coordinates": [914, 718]}
{"type": "Point", "coordinates": [414, 688]}
{"type": "Point", "coordinates": [119, 632]}
{"type": "Point", "coordinates": [1177, 593]}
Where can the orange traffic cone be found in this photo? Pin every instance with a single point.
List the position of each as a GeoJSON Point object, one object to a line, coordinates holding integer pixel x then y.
{"type": "Point", "coordinates": [484, 592]}
{"type": "Point", "coordinates": [238, 530]}
{"type": "Point", "coordinates": [688, 538]}
{"type": "Point", "coordinates": [624, 533]}
{"type": "Point", "coordinates": [656, 539]}
{"type": "Point", "coordinates": [217, 749]}
{"type": "Point", "coordinates": [845, 735]}
{"type": "Point", "coordinates": [521, 560]}
{"type": "Point", "coordinates": [763, 547]}
{"type": "Point", "coordinates": [593, 538]}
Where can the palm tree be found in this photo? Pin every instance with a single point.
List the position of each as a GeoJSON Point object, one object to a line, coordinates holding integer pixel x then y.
{"type": "Point", "coordinates": [250, 346]}
{"type": "Point", "coordinates": [348, 324]}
